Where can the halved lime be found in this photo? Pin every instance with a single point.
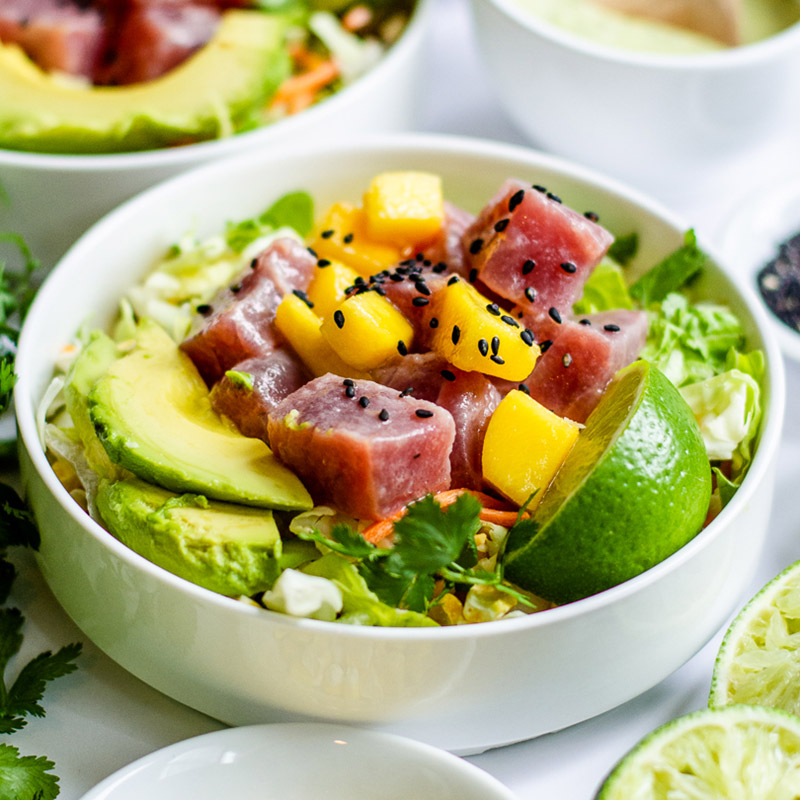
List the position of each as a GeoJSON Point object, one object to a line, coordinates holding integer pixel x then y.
{"type": "Point", "coordinates": [759, 659]}
{"type": "Point", "coordinates": [734, 753]}
{"type": "Point", "coordinates": [634, 489]}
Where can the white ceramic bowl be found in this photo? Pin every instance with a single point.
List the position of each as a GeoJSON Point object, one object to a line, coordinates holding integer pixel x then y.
{"type": "Point", "coordinates": [52, 199]}
{"type": "Point", "coordinates": [658, 121]}
{"type": "Point", "coordinates": [300, 761]}
{"type": "Point", "coordinates": [463, 688]}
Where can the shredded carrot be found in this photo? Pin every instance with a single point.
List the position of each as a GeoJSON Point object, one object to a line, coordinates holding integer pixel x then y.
{"type": "Point", "coordinates": [299, 88]}
{"type": "Point", "coordinates": [493, 510]}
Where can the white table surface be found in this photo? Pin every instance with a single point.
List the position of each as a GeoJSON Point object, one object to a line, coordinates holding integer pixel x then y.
{"type": "Point", "coordinates": [101, 718]}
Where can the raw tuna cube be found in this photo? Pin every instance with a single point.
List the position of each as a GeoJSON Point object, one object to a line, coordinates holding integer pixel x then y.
{"type": "Point", "coordinates": [363, 447]}
{"type": "Point", "coordinates": [572, 374]}
{"type": "Point", "coordinates": [57, 35]}
{"type": "Point", "coordinates": [274, 377]}
{"type": "Point", "coordinates": [238, 323]}
{"type": "Point", "coordinates": [448, 246]}
{"type": "Point", "coordinates": [470, 397]}
{"type": "Point", "coordinates": [155, 38]}
{"type": "Point", "coordinates": [531, 249]}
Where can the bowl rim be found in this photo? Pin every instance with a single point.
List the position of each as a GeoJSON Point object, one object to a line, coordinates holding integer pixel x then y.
{"type": "Point", "coordinates": [411, 143]}
{"type": "Point", "coordinates": [265, 136]}
{"type": "Point", "coordinates": [784, 41]}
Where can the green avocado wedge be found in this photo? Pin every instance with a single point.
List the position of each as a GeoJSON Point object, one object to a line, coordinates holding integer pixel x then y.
{"type": "Point", "coordinates": [227, 548]}
{"type": "Point", "coordinates": [152, 414]}
{"type": "Point", "coordinates": [214, 93]}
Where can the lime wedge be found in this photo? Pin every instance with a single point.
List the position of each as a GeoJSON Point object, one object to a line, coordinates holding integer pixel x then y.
{"type": "Point", "coordinates": [759, 659]}
{"type": "Point", "coordinates": [732, 753]}
{"type": "Point", "coordinates": [634, 489]}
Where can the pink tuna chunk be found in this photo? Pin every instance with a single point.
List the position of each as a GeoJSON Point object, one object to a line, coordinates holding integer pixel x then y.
{"type": "Point", "coordinates": [532, 250]}
{"type": "Point", "coordinates": [275, 376]}
{"type": "Point", "coordinates": [369, 457]}
{"type": "Point", "coordinates": [448, 247]}
{"type": "Point", "coordinates": [470, 397]}
{"type": "Point", "coordinates": [239, 321]}
{"type": "Point", "coordinates": [572, 374]}
{"type": "Point", "coordinates": [57, 35]}
{"type": "Point", "coordinates": [155, 38]}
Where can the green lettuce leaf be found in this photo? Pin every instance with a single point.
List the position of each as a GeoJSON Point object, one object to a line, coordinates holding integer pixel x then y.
{"type": "Point", "coordinates": [605, 290]}
{"type": "Point", "coordinates": [294, 210]}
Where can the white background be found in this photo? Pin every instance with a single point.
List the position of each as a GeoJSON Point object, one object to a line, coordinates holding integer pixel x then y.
{"type": "Point", "coordinates": [100, 718]}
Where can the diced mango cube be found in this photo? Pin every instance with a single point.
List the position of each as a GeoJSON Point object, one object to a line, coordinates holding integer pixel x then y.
{"type": "Point", "coordinates": [366, 330]}
{"type": "Point", "coordinates": [476, 339]}
{"type": "Point", "coordinates": [301, 328]}
{"type": "Point", "coordinates": [524, 447]}
{"type": "Point", "coordinates": [343, 236]}
{"type": "Point", "coordinates": [404, 206]}
{"type": "Point", "coordinates": [327, 287]}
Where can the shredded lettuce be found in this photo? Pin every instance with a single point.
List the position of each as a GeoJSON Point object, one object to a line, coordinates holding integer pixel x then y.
{"type": "Point", "coordinates": [353, 54]}
{"type": "Point", "coordinates": [604, 291]}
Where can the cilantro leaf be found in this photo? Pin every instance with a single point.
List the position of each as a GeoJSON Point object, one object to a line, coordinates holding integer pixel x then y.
{"type": "Point", "coordinates": [17, 527]}
{"type": "Point", "coordinates": [26, 777]}
{"type": "Point", "coordinates": [352, 542]}
{"type": "Point", "coordinates": [11, 621]}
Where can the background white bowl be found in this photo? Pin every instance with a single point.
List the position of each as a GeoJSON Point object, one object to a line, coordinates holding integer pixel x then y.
{"type": "Point", "coordinates": [300, 761]}
{"type": "Point", "coordinates": [653, 120]}
{"type": "Point", "coordinates": [51, 199]}
{"type": "Point", "coordinates": [464, 688]}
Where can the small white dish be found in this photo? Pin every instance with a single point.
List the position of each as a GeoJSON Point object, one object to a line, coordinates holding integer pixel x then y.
{"type": "Point", "coordinates": [300, 761]}
{"type": "Point", "coordinates": [759, 222]}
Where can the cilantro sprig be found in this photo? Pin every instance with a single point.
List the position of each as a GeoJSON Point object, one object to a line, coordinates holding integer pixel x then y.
{"type": "Point", "coordinates": [430, 543]}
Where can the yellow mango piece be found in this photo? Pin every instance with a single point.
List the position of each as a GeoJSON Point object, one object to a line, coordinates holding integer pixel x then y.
{"type": "Point", "coordinates": [343, 236]}
{"type": "Point", "coordinates": [524, 446]}
{"type": "Point", "coordinates": [366, 330]}
{"type": "Point", "coordinates": [474, 339]}
{"type": "Point", "coordinates": [404, 206]}
{"type": "Point", "coordinates": [328, 285]}
{"type": "Point", "coordinates": [301, 328]}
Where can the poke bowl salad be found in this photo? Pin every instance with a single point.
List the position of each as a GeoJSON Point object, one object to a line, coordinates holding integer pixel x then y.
{"type": "Point", "coordinates": [111, 76]}
{"type": "Point", "coordinates": [389, 409]}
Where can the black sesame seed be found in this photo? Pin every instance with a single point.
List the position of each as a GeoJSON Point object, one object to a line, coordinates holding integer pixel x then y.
{"type": "Point", "coordinates": [475, 246]}
{"type": "Point", "coordinates": [323, 262]}
{"type": "Point", "coordinates": [440, 267]}
{"type": "Point", "coordinates": [590, 215]}
{"type": "Point", "coordinates": [204, 308]}
{"type": "Point", "coordinates": [528, 266]}
{"type": "Point", "coordinates": [495, 344]}
{"type": "Point", "coordinates": [407, 391]}
{"type": "Point", "coordinates": [455, 335]}
{"type": "Point", "coordinates": [447, 375]}
{"type": "Point", "coordinates": [312, 251]}
{"type": "Point", "coordinates": [584, 322]}
{"type": "Point", "coordinates": [530, 294]}
{"type": "Point", "coordinates": [327, 234]}
{"type": "Point", "coordinates": [423, 413]}
{"type": "Point", "coordinates": [554, 197]}
{"type": "Point", "coordinates": [338, 318]}
{"type": "Point", "coordinates": [554, 315]}
{"type": "Point", "coordinates": [515, 200]}
{"type": "Point", "coordinates": [350, 391]}
{"type": "Point", "coordinates": [540, 188]}
{"type": "Point", "coordinates": [383, 415]}
{"type": "Point", "coordinates": [483, 346]}
{"type": "Point", "coordinates": [397, 278]}
{"type": "Point", "coordinates": [566, 359]}
{"type": "Point", "coordinates": [420, 301]}
{"type": "Point", "coordinates": [347, 238]}
{"type": "Point", "coordinates": [452, 280]}
{"type": "Point", "coordinates": [473, 275]}
{"type": "Point", "coordinates": [254, 263]}
{"type": "Point", "coordinates": [501, 225]}
{"type": "Point", "coordinates": [359, 281]}
{"type": "Point", "coordinates": [422, 288]}
{"type": "Point", "coordinates": [509, 321]}
{"type": "Point", "coordinates": [348, 382]}
{"type": "Point", "coordinates": [419, 257]}
{"type": "Point", "coordinates": [434, 323]}
{"type": "Point", "coordinates": [545, 345]}
{"type": "Point", "coordinates": [401, 348]}
{"type": "Point", "coordinates": [380, 290]}
{"type": "Point", "coordinates": [569, 267]}
{"type": "Point", "coordinates": [426, 263]}
{"type": "Point", "coordinates": [302, 296]}
{"type": "Point", "coordinates": [493, 308]}
{"type": "Point", "coordinates": [611, 327]}
{"type": "Point", "coordinates": [363, 401]}
{"type": "Point", "coordinates": [527, 337]}
{"type": "Point", "coordinates": [236, 288]}
{"type": "Point", "coordinates": [498, 359]}
{"type": "Point", "coordinates": [524, 388]}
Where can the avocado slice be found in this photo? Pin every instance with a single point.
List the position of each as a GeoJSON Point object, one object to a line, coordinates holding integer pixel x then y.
{"type": "Point", "coordinates": [213, 93]}
{"type": "Point", "coordinates": [152, 414]}
{"type": "Point", "coordinates": [230, 549]}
